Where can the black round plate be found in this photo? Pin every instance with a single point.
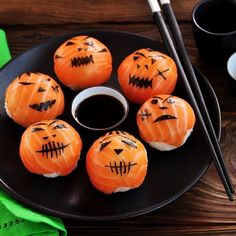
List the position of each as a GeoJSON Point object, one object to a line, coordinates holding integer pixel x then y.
{"type": "Point", "coordinates": [169, 175]}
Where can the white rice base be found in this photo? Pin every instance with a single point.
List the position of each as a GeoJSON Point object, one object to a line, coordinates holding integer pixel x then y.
{"type": "Point", "coordinates": [7, 111]}
{"type": "Point", "coordinates": [122, 189]}
{"type": "Point", "coordinates": [52, 175]}
{"type": "Point", "coordinates": [166, 147]}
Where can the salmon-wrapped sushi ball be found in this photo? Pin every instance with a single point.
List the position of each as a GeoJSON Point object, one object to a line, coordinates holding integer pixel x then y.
{"type": "Point", "coordinates": [165, 121]}
{"type": "Point", "coordinates": [33, 97]}
{"type": "Point", "coordinates": [51, 148]}
{"type": "Point", "coordinates": [116, 162]}
{"type": "Point", "coordinates": [82, 62]}
{"type": "Point", "coordinates": [145, 73]}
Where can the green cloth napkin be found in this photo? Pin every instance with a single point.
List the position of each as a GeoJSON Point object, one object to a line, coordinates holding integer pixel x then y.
{"type": "Point", "coordinates": [15, 219]}
{"type": "Point", "coordinates": [5, 55]}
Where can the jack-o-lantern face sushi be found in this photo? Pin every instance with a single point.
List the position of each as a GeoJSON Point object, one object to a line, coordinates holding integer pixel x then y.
{"type": "Point", "coordinates": [145, 73]}
{"type": "Point", "coordinates": [51, 148]}
{"type": "Point", "coordinates": [33, 97]}
{"type": "Point", "coordinates": [116, 162]}
{"type": "Point", "coordinates": [165, 121]}
{"type": "Point", "coordinates": [82, 62]}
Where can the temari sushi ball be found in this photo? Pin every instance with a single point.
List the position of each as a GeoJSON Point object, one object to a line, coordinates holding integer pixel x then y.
{"type": "Point", "coordinates": [145, 73]}
{"type": "Point", "coordinates": [82, 62]}
{"type": "Point", "coordinates": [116, 162]}
{"type": "Point", "coordinates": [33, 97]}
{"type": "Point", "coordinates": [51, 148]}
{"type": "Point", "coordinates": [165, 121]}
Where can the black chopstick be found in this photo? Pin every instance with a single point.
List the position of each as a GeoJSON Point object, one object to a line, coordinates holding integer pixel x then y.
{"type": "Point", "coordinates": [174, 27]}
{"type": "Point", "coordinates": [156, 10]}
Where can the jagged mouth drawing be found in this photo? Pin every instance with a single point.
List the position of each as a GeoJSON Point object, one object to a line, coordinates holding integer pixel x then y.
{"type": "Point", "coordinates": [53, 149]}
{"type": "Point", "coordinates": [140, 82]}
{"type": "Point", "coordinates": [43, 106]}
{"type": "Point", "coordinates": [121, 167]}
{"type": "Point", "coordinates": [164, 117]}
{"type": "Point", "coordinates": [81, 61]}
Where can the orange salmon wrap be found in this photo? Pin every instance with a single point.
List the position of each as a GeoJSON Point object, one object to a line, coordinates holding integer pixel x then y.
{"type": "Point", "coordinates": [33, 97]}
{"type": "Point", "coordinates": [51, 148]}
{"type": "Point", "coordinates": [82, 62]}
{"type": "Point", "coordinates": [116, 162]}
{"type": "Point", "coordinates": [165, 121]}
{"type": "Point", "coordinates": [145, 73]}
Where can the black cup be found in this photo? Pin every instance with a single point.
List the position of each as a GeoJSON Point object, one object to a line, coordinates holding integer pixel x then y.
{"type": "Point", "coordinates": [214, 29]}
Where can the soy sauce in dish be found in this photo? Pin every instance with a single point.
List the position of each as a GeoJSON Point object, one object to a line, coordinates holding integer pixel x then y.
{"type": "Point", "coordinates": [100, 111]}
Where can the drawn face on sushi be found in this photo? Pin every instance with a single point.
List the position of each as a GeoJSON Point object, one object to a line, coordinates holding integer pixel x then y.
{"type": "Point", "coordinates": [82, 62]}
{"type": "Point", "coordinates": [145, 73]}
{"type": "Point", "coordinates": [32, 97]}
{"type": "Point", "coordinates": [165, 121]}
{"type": "Point", "coordinates": [116, 162]}
{"type": "Point", "coordinates": [50, 147]}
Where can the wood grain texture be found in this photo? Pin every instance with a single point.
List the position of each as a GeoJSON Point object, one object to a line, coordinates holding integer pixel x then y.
{"type": "Point", "coordinates": [33, 12]}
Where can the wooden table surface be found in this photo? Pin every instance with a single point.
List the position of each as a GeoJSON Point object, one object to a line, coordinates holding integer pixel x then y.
{"type": "Point", "coordinates": [205, 208]}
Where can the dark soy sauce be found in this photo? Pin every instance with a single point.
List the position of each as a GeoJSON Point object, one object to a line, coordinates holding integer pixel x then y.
{"type": "Point", "coordinates": [100, 111]}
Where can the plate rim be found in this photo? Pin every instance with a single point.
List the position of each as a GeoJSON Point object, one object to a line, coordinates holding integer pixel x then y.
{"type": "Point", "coordinates": [130, 214]}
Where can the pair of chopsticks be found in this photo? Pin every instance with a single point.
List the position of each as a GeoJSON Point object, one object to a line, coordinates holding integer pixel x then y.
{"type": "Point", "coordinates": [193, 90]}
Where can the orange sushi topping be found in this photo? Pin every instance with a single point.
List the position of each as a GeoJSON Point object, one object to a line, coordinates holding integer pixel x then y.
{"type": "Point", "coordinates": [82, 62]}
{"type": "Point", "coordinates": [50, 148]}
{"type": "Point", "coordinates": [165, 121]}
{"type": "Point", "coordinates": [33, 97]}
{"type": "Point", "coordinates": [116, 162]}
{"type": "Point", "coordinates": [145, 73]}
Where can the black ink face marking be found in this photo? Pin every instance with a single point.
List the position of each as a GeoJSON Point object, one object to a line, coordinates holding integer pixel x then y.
{"type": "Point", "coordinates": [103, 145]}
{"type": "Point", "coordinates": [35, 129]}
{"type": "Point", "coordinates": [60, 126]}
{"type": "Point", "coordinates": [28, 73]}
{"type": "Point", "coordinates": [40, 124]}
{"type": "Point", "coordinates": [47, 80]}
{"type": "Point", "coordinates": [129, 143]}
{"type": "Point", "coordinates": [118, 151]}
{"type": "Point", "coordinates": [135, 58]}
{"type": "Point", "coordinates": [103, 50]}
{"type": "Point", "coordinates": [164, 117]}
{"type": "Point", "coordinates": [121, 167]}
{"type": "Point", "coordinates": [43, 106]}
{"type": "Point", "coordinates": [81, 61]}
{"type": "Point", "coordinates": [45, 138]}
{"type": "Point", "coordinates": [153, 61]}
{"type": "Point", "coordinates": [52, 148]}
{"type": "Point", "coordinates": [170, 100]}
{"type": "Point", "coordinates": [89, 43]}
{"type": "Point", "coordinates": [55, 88]}
{"type": "Point", "coordinates": [26, 83]}
{"type": "Point", "coordinates": [163, 108]}
{"type": "Point", "coordinates": [54, 121]}
{"type": "Point", "coordinates": [79, 49]}
{"type": "Point", "coordinates": [140, 54]}
{"type": "Point", "coordinates": [140, 82]}
{"type": "Point", "coordinates": [40, 90]}
{"type": "Point", "coordinates": [58, 57]}
{"type": "Point", "coordinates": [85, 38]}
{"type": "Point", "coordinates": [145, 114]}
{"type": "Point", "coordinates": [155, 99]}
{"type": "Point", "coordinates": [146, 66]}
{"type": "Point", "coordinates": [138, 66]}
{"type": "Point", "coordinates": [156, 56]}
{"type": "Point", "coordinates": [161, 73]}
{"type": "Point", "coordinates": [69, 43]}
